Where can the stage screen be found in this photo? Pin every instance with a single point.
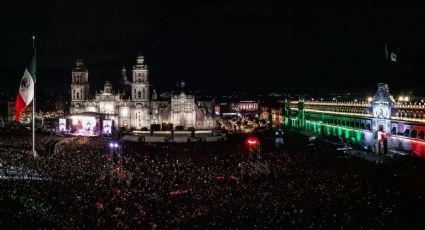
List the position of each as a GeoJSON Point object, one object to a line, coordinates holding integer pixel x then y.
{"type": "Point", "coordinates": [84, 125]}
{"type": "Point", "coordinates": [62, 125]}
{"type": "Point", "coordinates": [107, 127]}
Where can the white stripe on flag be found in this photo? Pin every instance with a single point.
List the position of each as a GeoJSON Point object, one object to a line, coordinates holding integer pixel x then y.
{"type": "Point", "coordinates": [26, 88]}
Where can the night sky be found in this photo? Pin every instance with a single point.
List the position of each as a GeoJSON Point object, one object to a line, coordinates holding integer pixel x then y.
{"type": "Point", "coordinates": [221, 46]}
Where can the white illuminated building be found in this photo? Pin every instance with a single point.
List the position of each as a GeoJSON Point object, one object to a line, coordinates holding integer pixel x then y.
{"type": "Point", "coordinates": [134, 106]}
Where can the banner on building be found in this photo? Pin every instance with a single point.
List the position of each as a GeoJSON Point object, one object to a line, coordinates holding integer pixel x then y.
{"type": "Point", "coordinates": [107, 127]}
{"type": "Point", "coordinates": [62, 125]}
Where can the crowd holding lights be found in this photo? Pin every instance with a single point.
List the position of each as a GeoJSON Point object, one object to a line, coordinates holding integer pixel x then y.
{"type": "Point", "coordinates": [172, 187]}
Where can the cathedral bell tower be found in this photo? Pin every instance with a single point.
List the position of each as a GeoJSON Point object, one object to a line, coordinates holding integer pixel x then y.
{"type": "Point", "coordinates": [140, 84]}
{"type": "Point", "coordinates": [79, 86]}
{"type": "Point", "coordinates": [80, 82]}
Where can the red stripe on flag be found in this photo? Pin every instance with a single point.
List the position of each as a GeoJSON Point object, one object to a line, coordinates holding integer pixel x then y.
{"type": "Point", "coordinates": [19, 106]}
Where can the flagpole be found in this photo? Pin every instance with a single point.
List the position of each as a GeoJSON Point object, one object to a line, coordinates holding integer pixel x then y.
{"type": "Point", "coordinates": [34, 153]}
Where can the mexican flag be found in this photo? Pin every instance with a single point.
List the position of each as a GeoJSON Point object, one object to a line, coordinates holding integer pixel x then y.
{"type": "Point", "coordinates": [26, 89]}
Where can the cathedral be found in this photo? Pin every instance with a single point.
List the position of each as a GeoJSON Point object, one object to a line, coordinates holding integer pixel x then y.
{"type": "Point", "coordinates": [133, 106]}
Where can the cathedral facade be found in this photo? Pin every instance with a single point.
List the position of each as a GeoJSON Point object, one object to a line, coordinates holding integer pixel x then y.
{"type": "Point", "coordinates": [133, 106]}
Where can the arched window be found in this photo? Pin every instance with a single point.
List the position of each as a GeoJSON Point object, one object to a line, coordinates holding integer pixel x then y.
{"type": "Point", "coordinates": [139, 94]}
{"type": "Point", "coordinates": [78, 95]}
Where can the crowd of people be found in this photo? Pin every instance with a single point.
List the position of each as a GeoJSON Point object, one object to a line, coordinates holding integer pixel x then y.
{"type": "Point", "coordinates": [202, 185]}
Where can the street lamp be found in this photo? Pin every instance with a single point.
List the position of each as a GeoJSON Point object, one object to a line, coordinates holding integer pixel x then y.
{"type": "Point", "coordinates": [369, 99]}
{"type": "Point", "coordinates": [401, 98]}
{"type": "Point", "coordinates": [114, 145]}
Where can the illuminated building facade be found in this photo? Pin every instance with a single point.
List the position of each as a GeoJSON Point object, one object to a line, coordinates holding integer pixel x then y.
{"type": "Point", "coordinates": [6, 109]}
{"type": "Point", "coordinates": [241, 108]}
{"type": "Point", "coordinates": [244, 107]}
{"type": "Point", "coordinates": [11, 111]}
{"type": "Point", "coordinates": [134, 106]}
{"type": "Point", "coordinates": [380, 124]}
{"type": "Point", "coordinates": [273, 113]}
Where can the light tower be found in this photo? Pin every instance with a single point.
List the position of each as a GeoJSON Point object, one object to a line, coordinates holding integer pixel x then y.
{"type": "Point", "coordinates": [254, 147]}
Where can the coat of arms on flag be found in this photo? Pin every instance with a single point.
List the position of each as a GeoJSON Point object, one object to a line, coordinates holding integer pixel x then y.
{"type": "Point", "coordinates": [26, 89]}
